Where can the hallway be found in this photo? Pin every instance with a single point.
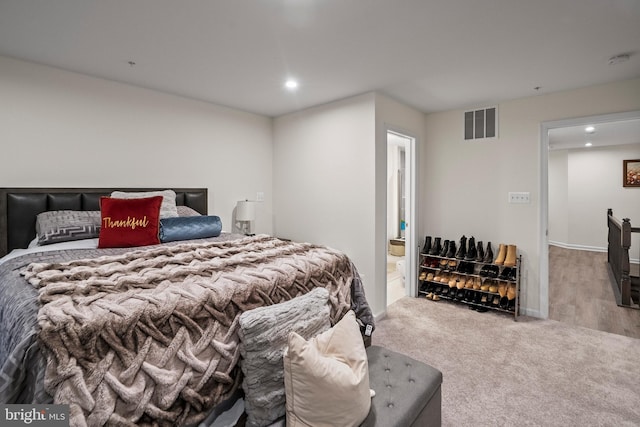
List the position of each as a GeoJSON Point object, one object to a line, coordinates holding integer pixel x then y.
{"type": "Point", "coordinates": [580, 293]}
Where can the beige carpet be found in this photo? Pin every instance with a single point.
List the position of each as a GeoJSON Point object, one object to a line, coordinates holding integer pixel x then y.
{"type": "Point", "coordinates": [498, 372]}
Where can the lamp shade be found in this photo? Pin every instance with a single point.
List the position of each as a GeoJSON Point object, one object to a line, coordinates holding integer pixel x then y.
{"type": "Point", "coordinates": [245, 211]}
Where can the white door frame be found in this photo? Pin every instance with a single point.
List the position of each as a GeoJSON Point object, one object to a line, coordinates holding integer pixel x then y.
{"type": "Point", "coordinates": [545, 127]}
{"type": "Point", "coordinates": [411, 229]}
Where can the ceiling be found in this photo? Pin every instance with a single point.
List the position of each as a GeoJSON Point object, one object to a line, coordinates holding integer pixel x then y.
{"type": "Point", "coordinates": [604, 134]}
{"type": "Point", "coordinates": [434, 55]}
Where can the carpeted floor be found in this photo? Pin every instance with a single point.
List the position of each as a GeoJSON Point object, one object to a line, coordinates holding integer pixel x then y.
{"type": "Point", "coordinates": [498, 372]}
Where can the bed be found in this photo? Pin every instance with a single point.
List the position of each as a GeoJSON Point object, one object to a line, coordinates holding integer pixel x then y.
{"type": "Point", "coordinates": [144, 335]}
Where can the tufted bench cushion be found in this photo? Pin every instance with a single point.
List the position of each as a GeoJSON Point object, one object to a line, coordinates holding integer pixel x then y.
{"type": "Point", "coordinates": [407, 391]}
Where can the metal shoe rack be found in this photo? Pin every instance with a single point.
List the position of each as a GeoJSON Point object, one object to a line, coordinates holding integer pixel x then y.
{"type": "Point", "coordinates": [435, 274]}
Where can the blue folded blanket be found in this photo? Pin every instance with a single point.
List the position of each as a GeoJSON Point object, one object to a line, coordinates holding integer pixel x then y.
{"type": "Point", "coordinates": [189, 227]}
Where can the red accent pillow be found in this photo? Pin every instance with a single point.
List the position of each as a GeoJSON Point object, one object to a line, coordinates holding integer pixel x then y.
{"type": "Point", "coordinates": [129, 222]}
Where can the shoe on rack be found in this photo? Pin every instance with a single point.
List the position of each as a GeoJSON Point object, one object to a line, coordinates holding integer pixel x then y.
{"type": "Point", "coordinates": [477, 297]}
{"type": "Point", "coordinates": [480, 252]}
{"type": "Point", "coordinates": [510, 257]}
{"type": "Point", "coordinates": [472, 252]}
{"type": "Point", "coordinates": [504, 275]}
{"type": "Point", "coordinates": [468, 295]}
{"type": "Point", "coordinates": [435, 248]}
{"type": "Point", "coordinates": [488, 256]}
{"type": "Point", "coordinates": [452, 249]}
{"type": "Point", "coordinates": [493, 288]}
{"type": "Point", "coordinates": [493, 271]}
{"type": "Point", "coordinates": [451, 265]}
{"type": "Point", "coordinates": [462, 250]}
{"type": "Point", "coordinates": [502, 254]}
{"type": "Point", "coordinates": [504, 303]}
{"type": "Point", "coordinates": [485, 286]}
{"type": "Point", "coordinates": [445, 249]}
{"type": "Point", "coordinates": [502, 289]}
{"type": "Point", "coordinates": [427, 245]}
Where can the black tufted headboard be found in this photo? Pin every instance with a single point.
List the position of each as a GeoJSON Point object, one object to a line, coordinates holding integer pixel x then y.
{"type": "Point", "coordinates": [20, 206]}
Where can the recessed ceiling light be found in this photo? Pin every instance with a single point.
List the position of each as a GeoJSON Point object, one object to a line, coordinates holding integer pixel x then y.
{"type": "Point", "coordinates": [588, 144]}
{"type": "Point", "coordinates": [291, 84]}
{"type": "Point", "coordinates": [589, 129]}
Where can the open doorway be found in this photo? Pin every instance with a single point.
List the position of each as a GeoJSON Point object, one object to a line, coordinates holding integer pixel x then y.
{"type": "Point", "coordinates": [400, 207]}
{"type": "Point", "coordinates": [581, 178]}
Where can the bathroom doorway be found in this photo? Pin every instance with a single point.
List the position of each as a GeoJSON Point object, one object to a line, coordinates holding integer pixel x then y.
{"type": "Point", "coordinates": [400, 239]}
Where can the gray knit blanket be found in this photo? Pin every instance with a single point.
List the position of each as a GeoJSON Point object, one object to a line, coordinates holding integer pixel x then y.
{"type": "Point", "coordinates": [150, 337]}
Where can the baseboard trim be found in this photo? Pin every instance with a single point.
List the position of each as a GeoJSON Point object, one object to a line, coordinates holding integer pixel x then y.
{"type": "Point", "coordinates": [530, 312]}
{"type": "Point", "coordinates": [578, 247]}
{"type": "Point", "coordinates": [586, 248]}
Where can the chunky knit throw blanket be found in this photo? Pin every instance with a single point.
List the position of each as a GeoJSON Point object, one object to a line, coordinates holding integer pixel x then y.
{"type": "Point", "coordinates": [150, 337]}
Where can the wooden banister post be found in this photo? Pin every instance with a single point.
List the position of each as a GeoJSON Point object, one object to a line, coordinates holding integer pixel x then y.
{"type": "Point", "coordinates": [625, 242]}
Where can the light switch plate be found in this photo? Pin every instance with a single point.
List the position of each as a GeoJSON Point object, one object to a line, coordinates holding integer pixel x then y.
{"type": "Point", "coordinates": [519, 197]}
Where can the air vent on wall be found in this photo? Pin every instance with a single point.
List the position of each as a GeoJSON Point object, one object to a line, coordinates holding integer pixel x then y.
{"type": "Point", "coordinates": [481, 124]}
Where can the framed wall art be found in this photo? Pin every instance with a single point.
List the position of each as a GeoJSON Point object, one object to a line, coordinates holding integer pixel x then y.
{"type": "Point", "coordinates": [631, 173]}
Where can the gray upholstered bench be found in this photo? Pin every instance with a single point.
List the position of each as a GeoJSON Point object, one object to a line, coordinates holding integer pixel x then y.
{"type": "Point", "coordinates": [407, 391]}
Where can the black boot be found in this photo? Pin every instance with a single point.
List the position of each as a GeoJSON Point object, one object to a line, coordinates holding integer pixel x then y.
{"type": "Point", "coordinates": [435, 248]}
{"type": "Point", "coordinates": [488, 256]}
{"type": "Point", "coordinates": [480, 255]}
{"type": "Point", "coordinates": [445, 249]}
{"type": "Point", "coordinates": [427, 245]}
{"type": "Point", "coordinates": [462, 250]}
{"type": "Point", "coordinates": [452, 249]}
{"type": "Point", "coordinates": [472, 252]}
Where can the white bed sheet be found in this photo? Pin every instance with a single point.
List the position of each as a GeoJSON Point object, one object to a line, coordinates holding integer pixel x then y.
{"type": "Point", "coordinates": [75, 244]}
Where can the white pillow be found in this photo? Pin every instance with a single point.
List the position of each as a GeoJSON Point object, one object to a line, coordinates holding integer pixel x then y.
{"type": "Point", "coordinates": [326, 379]}
{"type": "Point", "coordinates": [168, 208]}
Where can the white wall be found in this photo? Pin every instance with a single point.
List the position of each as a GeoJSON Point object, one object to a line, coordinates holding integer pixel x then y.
{"type": "Point", "coordinates": [330, 178]}
{"type": "Point", "coordinates": [69, 130]}
{"type": "Point", "coordinates": [393, 115]}
{"type": "Point", "coordinates": [324, 180]}
{"type": "Point", "coordinates": [593, 184]}
{"type": "Point", "coordinates": [558, 196]}
{"type": "Point", "coordinates": [465, 184]}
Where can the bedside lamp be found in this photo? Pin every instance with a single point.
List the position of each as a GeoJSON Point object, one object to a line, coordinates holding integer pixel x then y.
{"type": "Point", "coordinates": [245, 215]}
